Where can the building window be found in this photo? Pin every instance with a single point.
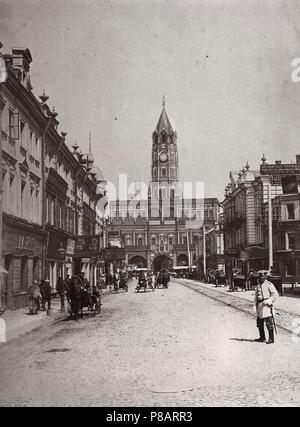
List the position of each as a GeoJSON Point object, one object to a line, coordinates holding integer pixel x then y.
{"type": "Point", "coordinates": [23, 199]}
{"type": "Point", "coordinates": [153, 240]}
{"type": "Point", "coordinates": [163, 172]}
{"type": "Point", "coordinates": [184, 239]}
{"type": "Point", "coordinates": [290, 211]}
{"type": "Point", "coordinates": [60, 213]}
{"type": "Point", "coordinates": [24, 274]}
{"type": "Point", "coordinates": [13, 124]}
{"type": "Point", "coordinates": [290, 240]}
{"type": "Point", "coordinates": [140, 241]}
{"type": "Point", "coordinates": [31, 147]}
{"type": "Point", "coordinates": [22, 131]}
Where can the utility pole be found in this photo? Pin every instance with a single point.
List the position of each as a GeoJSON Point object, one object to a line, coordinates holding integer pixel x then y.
{"type": "Point", "coordinates": [204, 252]}
{"type": "Point", "coordinates": [188, 249]}
{"type": "Point", "coordinates": [270, 227]}
{"type": "Point", "coordinates": [1, 273]}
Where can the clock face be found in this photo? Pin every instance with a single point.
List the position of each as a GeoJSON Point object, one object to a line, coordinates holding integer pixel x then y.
{"type": "Point", "coordinates": [163, 156]}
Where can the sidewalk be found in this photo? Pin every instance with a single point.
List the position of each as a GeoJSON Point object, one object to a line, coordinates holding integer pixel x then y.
{"type": "Point", "coordinates": [286, 304]}
{"type": "Point", "coordinates": [286, 309]}
{"type": "Point", "coordinates": [19, 322]}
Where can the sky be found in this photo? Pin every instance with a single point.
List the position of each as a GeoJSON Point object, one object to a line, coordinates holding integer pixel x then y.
{"type": "Point", "coordinates": [224, 68]}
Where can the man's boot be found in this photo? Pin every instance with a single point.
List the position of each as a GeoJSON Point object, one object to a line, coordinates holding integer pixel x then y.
{"type": "Point", "coordinates": [262, 336]}
{"type": "Point", "coordinates": [271, 336]}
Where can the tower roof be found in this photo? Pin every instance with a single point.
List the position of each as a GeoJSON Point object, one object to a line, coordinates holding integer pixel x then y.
{"type": "Point", "coordinates": [164, 122]}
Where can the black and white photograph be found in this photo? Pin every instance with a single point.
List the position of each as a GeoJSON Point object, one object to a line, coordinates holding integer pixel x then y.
{"type": "Point", "coordinates": [149, 206]}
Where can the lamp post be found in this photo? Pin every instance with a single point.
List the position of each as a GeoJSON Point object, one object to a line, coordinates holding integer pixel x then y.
{"type": "Point", "coordinates": [270, 227]}
{"type": "Point", "coordinates": [62, 254]}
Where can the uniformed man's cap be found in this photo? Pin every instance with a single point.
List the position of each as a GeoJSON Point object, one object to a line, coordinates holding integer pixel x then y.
{"type": "Point", "coordinates": [263, 274]}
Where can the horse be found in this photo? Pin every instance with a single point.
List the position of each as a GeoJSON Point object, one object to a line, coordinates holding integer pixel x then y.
{"type": "Point", "coordinates": [74, 296]}
{"type": "Point", "coordinates": [163, 279]}
{"type": "Point", "coordinates": [79, 297]}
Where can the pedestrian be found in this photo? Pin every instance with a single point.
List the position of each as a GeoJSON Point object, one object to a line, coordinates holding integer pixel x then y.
{"type": "Point", "coordinates": [46, 294]}
{"type": "Point", "coordinates": [86, 288]}
{"type": "Point", "coordinates": [61, 290]}
{"type": "Point", "coordinates": [34, 295]}
{"type": "Point", "coordinates": [265, 295]}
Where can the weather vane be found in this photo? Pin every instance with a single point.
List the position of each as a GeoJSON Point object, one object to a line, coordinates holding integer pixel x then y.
{"type": "Point", "coordinates": [164, 101]}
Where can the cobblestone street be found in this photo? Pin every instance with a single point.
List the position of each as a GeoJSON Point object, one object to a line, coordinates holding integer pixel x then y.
{"type": "Point", "coordinates": [171, 347]}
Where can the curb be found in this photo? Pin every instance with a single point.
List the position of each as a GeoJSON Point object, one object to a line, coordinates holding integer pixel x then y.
{"type": "Point", "coordinates": [55, 316]}
{"type": "Point", "coordinates": [202, 290]}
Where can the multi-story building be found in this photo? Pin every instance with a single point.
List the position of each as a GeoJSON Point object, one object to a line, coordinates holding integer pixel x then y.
{"type": "Point", "coordinates": [49, 194]}
{"type": "Point", "coordinates": [159, 227]}
{"type": "Point", "coordinates": [246, 228]}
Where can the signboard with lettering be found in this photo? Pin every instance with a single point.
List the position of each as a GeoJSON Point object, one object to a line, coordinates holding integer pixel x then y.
{"type": "Point", "coordinates": [70, 246]}
{"type": "Point", "coordinates": [113, 254]}
{"type": "Point", "coordinates": [86, 246]}
{"type": "Point", "coordinates": [56, 242]}
{"type": "Point", "coordinates": [22, 242]}
{"type": "Point", "coordinates": [114, 239]}
{"type": "Point", "coordinates": [283, 174]}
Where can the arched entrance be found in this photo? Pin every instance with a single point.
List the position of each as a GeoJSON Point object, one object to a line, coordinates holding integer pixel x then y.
{"type": "Point", "coordinates": [162, 261]}
{"type": "Point", "coordinates": [182, 260]}
{"type": "Point", "coordinates": [138, 261]}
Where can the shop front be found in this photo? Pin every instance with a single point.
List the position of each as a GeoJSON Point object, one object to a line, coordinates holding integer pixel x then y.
{"type": "Point", "coordinates": [288, 264]}
{"type": "Point", "coordinates": [114, 258]}
{"type": "Point", "coordinates": [87, 257]}
{"type": "Point", "coordinates": [254, 258]}
{"type": "Point", "coordinates": [22, 259]}
{"type": "Point", "coordinates": [56, 256]}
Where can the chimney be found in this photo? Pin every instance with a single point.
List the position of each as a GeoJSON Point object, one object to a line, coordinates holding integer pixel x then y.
{"type": "Point", "coordinates": [298, 159]}
{"type": "Point", "coordinates": [21, 60]}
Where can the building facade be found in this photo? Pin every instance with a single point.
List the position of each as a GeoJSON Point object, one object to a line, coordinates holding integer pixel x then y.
{"type": "Point", "coordinates": [49, 192]}
{"type": "Point", "coordinates": [246, 230]}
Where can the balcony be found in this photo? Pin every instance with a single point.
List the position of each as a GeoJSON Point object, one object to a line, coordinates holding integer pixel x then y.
{"type": "Point", "coordinates": [137, 248]}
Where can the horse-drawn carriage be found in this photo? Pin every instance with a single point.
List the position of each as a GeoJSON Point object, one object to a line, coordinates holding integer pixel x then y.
{"type": "Point", "coordinates": [162, 279]}
{"type": "Point", "coordinates": [144, 280]}
{"type": "Point", "coordinates": [80, 295]}
{"type": "Point", "coordinates": [123, 281]}
{"type": "Point", "coordinates": [238, 280]}
{"type": "Point", "coordinates": [220, 278]}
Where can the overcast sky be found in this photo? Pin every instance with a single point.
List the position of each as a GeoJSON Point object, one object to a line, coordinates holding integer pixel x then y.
{"type": "Point", "coordinates": [223, 66]}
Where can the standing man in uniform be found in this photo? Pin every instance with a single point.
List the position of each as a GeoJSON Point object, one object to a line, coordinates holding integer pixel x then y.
{"type": "Point", "coordinates": [265, 295]}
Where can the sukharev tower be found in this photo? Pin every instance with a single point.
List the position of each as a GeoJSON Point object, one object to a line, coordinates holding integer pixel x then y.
{"type": "Point", "coordinates": [162, 227]}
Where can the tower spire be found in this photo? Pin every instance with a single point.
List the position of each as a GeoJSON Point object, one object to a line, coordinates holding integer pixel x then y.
{"type": "Point", "coordinates": [163, 101]}
{"type": "Point", "coordinates": [90, 158]}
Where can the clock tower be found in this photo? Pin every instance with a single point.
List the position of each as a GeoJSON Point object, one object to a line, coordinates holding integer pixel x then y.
{"type": "Point", "coordinates": [164, 151]}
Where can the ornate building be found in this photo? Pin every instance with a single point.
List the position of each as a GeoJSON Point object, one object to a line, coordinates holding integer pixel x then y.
{"type": "Point", "coordinates": [49, 192]}
{"type": "Point", "coordinates": [161, 228]}
{"type": "Point", "coordinates": [246, 234]}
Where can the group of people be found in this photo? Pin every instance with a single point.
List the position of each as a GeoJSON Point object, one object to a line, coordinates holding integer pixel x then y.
{"type": "Point", "coordinates": [39, 295]}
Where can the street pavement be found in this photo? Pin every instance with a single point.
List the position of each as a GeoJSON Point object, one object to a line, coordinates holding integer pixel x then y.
{"type": "Point", "coordinates": [173, 347]}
